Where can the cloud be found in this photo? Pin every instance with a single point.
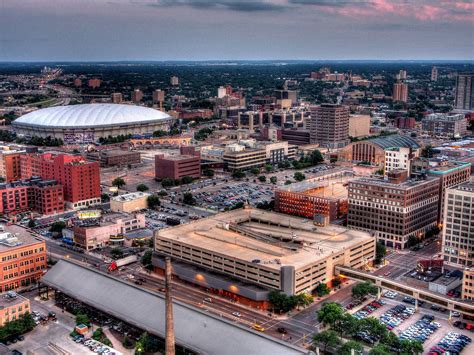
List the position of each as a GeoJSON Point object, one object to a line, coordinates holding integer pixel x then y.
{"type": "Point", "coordinates": [233, 5]}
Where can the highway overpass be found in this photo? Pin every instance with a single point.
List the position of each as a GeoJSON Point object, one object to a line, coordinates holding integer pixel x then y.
{"type": "Point", "coordinates": [466, 309]}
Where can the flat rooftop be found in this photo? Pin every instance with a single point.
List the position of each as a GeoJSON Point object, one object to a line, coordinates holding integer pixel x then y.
{"type": "Point", "coordinates": [117, 152]}
{"type": "Point", "coordinates": [405, 185]}
{"type": "Point", "coordinates": [326, 186]}
{"type": "Point", "coordinates": [21, 237]}
{"type": "Point", "coordinates": [130, 196]}
{"type": "Point", "coordinates": [269, 238]}
{"type": "Point", "coordinates": [6, 301]}
{"type": "Point", "coordinates": [178, 157]}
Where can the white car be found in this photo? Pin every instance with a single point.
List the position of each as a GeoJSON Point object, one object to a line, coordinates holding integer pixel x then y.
{"type": "Point", "coordinates": [236, 314]}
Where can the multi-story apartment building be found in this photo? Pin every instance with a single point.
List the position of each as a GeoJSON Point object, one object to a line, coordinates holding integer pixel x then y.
{"type": "Point", "coordinates": [12, 307]}
{"type": "Point", "coordinates": [136, 96]}
{"type": "Point", "coordinates": [117, 98]}
{"type": "Point", "coordinates": [393, 209]}
{"type": "Point", "coordinates": [399, 158]}
{"type": "Point", "coordinates": [451, 174]}
{"type": "Point", "coordinates": [434, 74]}
{"type": "Point", "coordinates": [322, 199]}
{"type": "Point", "coordinates": [10, 165]}
{"type": "Point", "coordinates": [79, 178]}
{"type": "Point", "coordinates": [400, 92]}
{"type": "Point", "coordinates": [329, 125]}
{"type": "Point", "coordinates": [467, 293]}
{"type": "Point", "coordinates": [23, 258]}
{"type": "Point", "coordinates": [464, 97]}
{"type": "Point", "coordinates": [42, 196]}
{"type": "Point", "coordinates": [359, 125]}
{"type": "Point", "coordinates": [458, 231]}
{"type": "Point", "coordinates": [177, 166]}
{"type": "Point", "coordinates": [445, 125]}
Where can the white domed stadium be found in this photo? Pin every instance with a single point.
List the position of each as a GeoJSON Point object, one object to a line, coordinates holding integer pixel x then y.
{"type": "Point", "coordinates": [89, 122]}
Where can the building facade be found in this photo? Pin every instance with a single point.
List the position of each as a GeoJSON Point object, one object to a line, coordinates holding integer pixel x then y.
{"type": "Point", "coordinates": [245, 159]}
{"type": "Point", "coordinates": [177, 166]}
{"type": "Point", "coordinates": [329, 125]}
{"type": "Point", "coordinates": [445, 125]}
{"type": "Point", "coordinates": [12, 307]}
{"type": "Point", "coordinates": [464, 97]}
{"type": "Point", "coordinates": [394, 209]}
{"type": "Point", "coordinates": [359, 125]}
{"type": "Point", "coordinates": [131, 202]}
{"type": "Point", "coordinates": [10, 165]}
{"type": "Point", "coordinates": [400, 92]}
{"type": "Point", "coordinates": [23, 258]}
{"type": "Point", "coordinates": [458, 231]}
{"type": "Point", "coordinates": [108, 158]}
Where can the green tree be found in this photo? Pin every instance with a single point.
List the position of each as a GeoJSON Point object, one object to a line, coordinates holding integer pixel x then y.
{"type": "Point", "coordinates": [390, 340]}
{"type": "Point", "coordinates": [327, 338]}
{"type": "Point", "coordinates": [142, 187]}
{"type": "Point", "coordinates": [281, 302]}
{"type": "Point", "coordinates": [347, 325]}
{"type": "Point", "coordinates": [167, 182]}
{"type": "Point", "coordinates": [262, 178]}
{"type": "Point", "coordinates": [118, 182]}
{"type": "Point", "coordinates": [146, 259]}
{"type": "Point", "coordinates": [427, 152]}
{"type": "Point", "coordinates": [116, 253]}
{"type": "Point", "coordinates": [330, 313]}
{"type": "Point", "coordinates": [299, 176]}
{"type": "Point", "coordinates": [411, 347]}
{"type": "Point", "coordinates": [288, 182]}
{"type": "Point", "coordinates": [268, 168]}
{"type": "Point", "coordinates": [316, 157]}
{"type": "Point", "coordinates": [162, 193]}
{"type": "Point", "coordinates": [57, 227]}
{"type": "Point", "coordinates": [127, 343]}
{"type": "Point", "coordinates": [373, 326]}
{"type": "Point", "coordinates": [255, 171]}
{"type": "Point", "coordinates": [363, 289]}
{"type": "Point", "coordinates": [147, 344]}
{"type": "Point", "coordinates": [273, 180]}
{"type": "Point", "coordinates": [208, 172]}
{"type": "Point", "coordinates": [82, 319]}
{"type": "Point", "coordinates": [380, 252]}
{"type": "Point", "coordinates": [31, 223]}
{"type": "Point", "coordinates": [187, 180]}
{"type": "Point", "coordinates": [379, 349]}
{"type": "Point", "coordinates": [238, 174]}
{"type": "Point", "coordinates": [322, 290]}
{"type": "Point", "coordinates": [346, 348]}
{"type": "Point", "coordinates": [188, 198]}
{"type": "Point", "coordinates": [104, 197]}
{"type": "Point", "coordinates": [153, 201]}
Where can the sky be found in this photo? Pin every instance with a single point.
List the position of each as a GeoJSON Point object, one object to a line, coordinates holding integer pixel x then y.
{"type": "Point", "coordinates": [112, 30]}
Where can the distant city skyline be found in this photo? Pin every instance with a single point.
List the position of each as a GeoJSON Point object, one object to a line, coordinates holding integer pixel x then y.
{"type": "Point", "coordinates": [127, 30]}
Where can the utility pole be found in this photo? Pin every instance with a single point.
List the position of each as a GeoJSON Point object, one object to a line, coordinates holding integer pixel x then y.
{"type": "Point", "coordinates": [169, 338]}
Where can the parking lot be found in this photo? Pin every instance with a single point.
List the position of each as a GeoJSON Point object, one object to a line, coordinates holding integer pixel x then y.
{"type": "Point", "coordinates": [231, 194]}
{"type": "Point", "coordinates": [408, 324]}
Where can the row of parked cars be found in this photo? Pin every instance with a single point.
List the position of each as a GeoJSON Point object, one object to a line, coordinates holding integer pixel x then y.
{"type": "Point", "coordinates": [396, 315]}
{"type": "Point", "coordinates": [370, 308]}
{"type": "Point", "coordinates": [421, 330]}
{"type": "Point", "coordinates": [464, 325]}
{"type": "Point", "coordinates": [93, 345]}
{"type": "Point", "coordinates": [452, 343]}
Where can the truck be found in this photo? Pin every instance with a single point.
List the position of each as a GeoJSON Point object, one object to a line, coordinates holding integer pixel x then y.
{"type": "Point", "coordinates": [114, 265]}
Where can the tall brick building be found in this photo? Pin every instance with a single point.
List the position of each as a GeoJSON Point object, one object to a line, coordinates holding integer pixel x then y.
{"type": "Point", "coordinates": [329, 125]}
{"type": "Point", "coordinates": [177, 166]}
{"type": "Point", "coordinates": [79, 178]}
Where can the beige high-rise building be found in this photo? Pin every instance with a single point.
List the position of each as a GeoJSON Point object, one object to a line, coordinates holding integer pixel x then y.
{"type": "Point", "coordinates": [137, 96]}
{"type": "Point", "coordinates": [329, 125]}
{"type": "Point", "coordinates": [158, 96]}
{"type": "Point", "coordinates": [458, 231]}
{"type": "Point", "coordinates": [402, 75]}
{"type": "Point", "coordinates": [400, 92]}
{"type": "Point", "coordinates": [464, 98]}
{"type": "Point", "coordinates": [117, 98]}
{"type": "Point", "coordinates": [359, 125]}
{"type": "Point", "coordinates": [434, 74]}
{"type": "Point", "coordinates": [174, 81]}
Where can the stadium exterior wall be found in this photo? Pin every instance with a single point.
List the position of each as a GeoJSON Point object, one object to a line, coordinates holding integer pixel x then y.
{"type": "Point", "coordinates": [91, 135]}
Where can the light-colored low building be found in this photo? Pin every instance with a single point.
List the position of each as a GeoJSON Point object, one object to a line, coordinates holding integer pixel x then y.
{"type": "Point", "coordinates": [267, 249]}
{"type": "Point", "coordinates": [359, 125]}
{"type": "Point", "coordinates": [131, 202]}
{"type": "Point", "coordinates": [12, 306]}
